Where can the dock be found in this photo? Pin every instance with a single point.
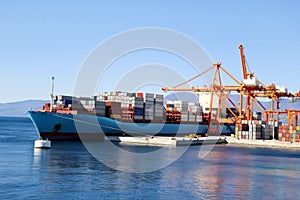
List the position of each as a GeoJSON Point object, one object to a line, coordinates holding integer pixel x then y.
{"type": "Point", "coordinates": [210, 140]}
{"type": "Point", "coordinates": [263, 143]}
{"type": "Point", "coordinates": [170, 141]}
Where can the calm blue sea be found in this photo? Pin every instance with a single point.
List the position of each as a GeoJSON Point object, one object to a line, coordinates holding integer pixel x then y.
{"type": "Point", "coordinates": [68, 171]}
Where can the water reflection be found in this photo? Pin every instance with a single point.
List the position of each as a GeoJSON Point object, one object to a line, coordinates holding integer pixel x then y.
{"type": "Point", "coordinates": [68, 171]}
{"type": "Point", "coordinates": [239, 171]}
{"type": "Point", "coordinates": [224, 173]}
{"type": "Point", "coordinates": [218, 176]}
{"type": "Point", "coordinates": [137, 160]}
{"type": "Point", "coordinates": [40, 156]}
{"type": "Point", "coordinates": [70, 167]}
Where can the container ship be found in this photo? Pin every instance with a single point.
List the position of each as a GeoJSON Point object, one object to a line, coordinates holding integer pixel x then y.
{"type": "Point", "coordinates": [120, 114]}
{"type": "Point", "coordinates": [147, 114]}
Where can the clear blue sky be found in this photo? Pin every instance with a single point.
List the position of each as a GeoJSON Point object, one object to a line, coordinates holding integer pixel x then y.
{"type": "Point", "coordinates": [40, 39]}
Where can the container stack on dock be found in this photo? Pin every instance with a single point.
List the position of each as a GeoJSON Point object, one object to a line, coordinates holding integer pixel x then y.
{"type": "Point", "coordinates": [255, 129]}
{"type": "Point", "coordinates": [270, 130]}
{"type": "Point", "coordinates": [289, 133]}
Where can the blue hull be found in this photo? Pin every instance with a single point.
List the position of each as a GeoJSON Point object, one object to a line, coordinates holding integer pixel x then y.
{"type": "Point", "coordinates": [56, 126]}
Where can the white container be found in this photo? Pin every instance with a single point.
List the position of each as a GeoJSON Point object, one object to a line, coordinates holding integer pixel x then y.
{"type": "Point", "coordinates": [138, 117]}
{"type": "Point", "coordinates": [250, 81]}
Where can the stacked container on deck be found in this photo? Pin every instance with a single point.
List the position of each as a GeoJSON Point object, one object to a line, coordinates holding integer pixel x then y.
{"type": "Point", "coordinates": [134, 106]}
{"type": "Point", "coordinates": [182, 111]}
{"type": "Point", "coordinates": [159, 110]}
{"type": "Point", "coordinates": [80, 104]}
{"type": "Point", "coordinates": [100, 108]}
{"type": "Point", "coordinates": [138, 107]}
{"type": "Point", "coordinates": [83, 104]}
{"type": "Point", "coordinates": [118, 104]}
{"type": "Point", "coordinates": [176, 111]}
{"type": "Point", "coordinates": [149, 106]}
{"type": "Point", "coordinates": [194, 112]}
{"type": "Point", "coordinates": [61, 101]}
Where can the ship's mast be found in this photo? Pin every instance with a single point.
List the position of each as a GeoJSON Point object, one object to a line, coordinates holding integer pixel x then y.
{"type": "Point", "coordinates": [52, 94]}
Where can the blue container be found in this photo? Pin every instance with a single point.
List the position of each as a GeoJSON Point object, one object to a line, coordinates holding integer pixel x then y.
{"type": "Point", "coordinates": [138, 111]}
{"type": "Point", "coordinates": [170, 105]}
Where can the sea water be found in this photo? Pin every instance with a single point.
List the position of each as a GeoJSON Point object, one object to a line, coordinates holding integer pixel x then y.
{"type": "Point", "coordinates": [69, 171]}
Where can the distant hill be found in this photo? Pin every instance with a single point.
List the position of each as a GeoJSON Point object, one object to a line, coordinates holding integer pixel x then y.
{"type": "Point", "coordinates": [20, 108]}
{"type": "Point", "coordinates": [284, 103]}
{"type": "Point", "coordinates": [182, 96]}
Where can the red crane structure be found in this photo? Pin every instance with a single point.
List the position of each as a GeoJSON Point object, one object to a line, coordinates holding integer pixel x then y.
{"type": "Point", "coordinates": [250, 89]}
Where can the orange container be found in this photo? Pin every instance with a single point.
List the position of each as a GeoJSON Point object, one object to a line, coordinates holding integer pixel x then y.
{"type": "Point", "coordinates": [140, 95]}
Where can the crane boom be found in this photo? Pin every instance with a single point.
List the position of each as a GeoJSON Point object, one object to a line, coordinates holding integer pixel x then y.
{"type": "Point", "coordinates": [243, 61]}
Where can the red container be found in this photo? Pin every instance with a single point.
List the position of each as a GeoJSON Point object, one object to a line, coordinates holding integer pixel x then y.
{"type": "Point", "coordinates": [139, 95]}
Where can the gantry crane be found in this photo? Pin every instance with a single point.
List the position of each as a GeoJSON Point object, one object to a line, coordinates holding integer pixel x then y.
{"type": "Point", "coordinates": [216, 89]}
{"type": "Point", "coordinates": [249, 89]}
